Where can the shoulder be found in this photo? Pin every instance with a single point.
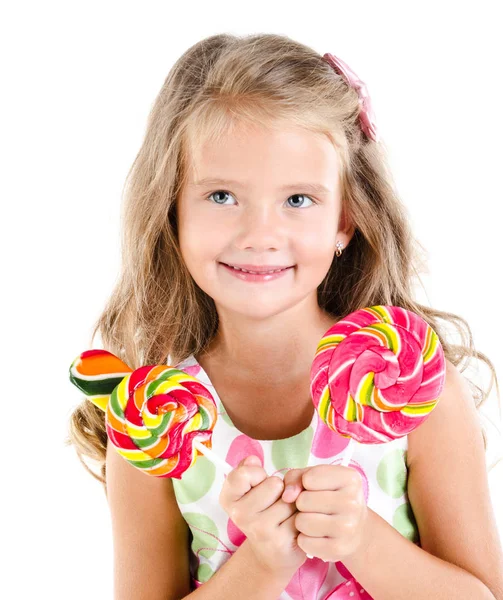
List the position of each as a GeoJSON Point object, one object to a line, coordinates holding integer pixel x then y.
{"type": "Point", "coordinates": [448, 486]}
{"type": "Point", "coordinates": [453, 424]}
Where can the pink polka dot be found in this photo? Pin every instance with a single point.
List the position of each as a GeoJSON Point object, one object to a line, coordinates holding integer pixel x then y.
{"type": "Point", "coordinates": [327, 443]}
{"type": "Point", "coordinates": [236, 536]}
{"type": "Point", "coordinates": [192, 370]}
{"type": "Point", "coordinates": [241, 447]}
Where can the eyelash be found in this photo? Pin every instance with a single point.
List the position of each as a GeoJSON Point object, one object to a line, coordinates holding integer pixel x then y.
{"type": "Point", "coordinates": [226, 192]}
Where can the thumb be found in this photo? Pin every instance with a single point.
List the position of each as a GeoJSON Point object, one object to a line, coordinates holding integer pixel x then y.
{"type": "Point", "coordinates": [293, 485]}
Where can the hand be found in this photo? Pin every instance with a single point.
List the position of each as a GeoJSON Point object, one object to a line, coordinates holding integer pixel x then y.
{"type": "Point", "coordinates": [253, 502]}
{"type": "Point", "coordinates": [332, 513]}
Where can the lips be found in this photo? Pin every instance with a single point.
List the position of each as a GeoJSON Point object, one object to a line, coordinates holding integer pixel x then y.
{"type": "Point", "coordinates": [258, 269]}
{"type": "Point", "coordinates": [261, 277]}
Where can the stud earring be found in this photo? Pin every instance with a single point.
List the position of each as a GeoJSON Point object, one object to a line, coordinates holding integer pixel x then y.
{"type": "Point", "coordinates": [338, 248]}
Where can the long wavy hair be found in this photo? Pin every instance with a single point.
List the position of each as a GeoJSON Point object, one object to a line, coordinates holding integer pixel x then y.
{"type": "Point", "coordinates": [156, 310]}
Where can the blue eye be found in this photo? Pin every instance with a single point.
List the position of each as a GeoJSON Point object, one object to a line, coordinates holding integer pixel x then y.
{"type": "Point", "coordinates": [292, 196]}
{"type": "Point", "coordinates": [217, 192]}
{"type": "Point", "coordinates": [303, 196]}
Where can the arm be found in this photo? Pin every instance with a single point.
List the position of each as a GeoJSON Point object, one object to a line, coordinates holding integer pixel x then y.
{"type": "Point", "coordinates": [403, 570]}
{"type": "Point", "coordinates": [151, 545]}
{"type": "Point", "coordinates": [244, 578]}
{"type": "Point", "coordinates": [150, 536]}
{"type": "Point", "coordinates": [461, 555]}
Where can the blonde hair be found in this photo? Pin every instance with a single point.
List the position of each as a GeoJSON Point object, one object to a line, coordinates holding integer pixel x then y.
{"type": "Point", "coordinates": [156, 309]}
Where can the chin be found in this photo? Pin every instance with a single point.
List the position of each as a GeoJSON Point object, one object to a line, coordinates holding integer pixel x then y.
{"type": "Point", "coordinates": [252, 308]}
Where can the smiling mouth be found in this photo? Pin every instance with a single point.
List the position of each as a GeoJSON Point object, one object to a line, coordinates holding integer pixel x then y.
{"type": "Point", "coordinates": [261, 271]}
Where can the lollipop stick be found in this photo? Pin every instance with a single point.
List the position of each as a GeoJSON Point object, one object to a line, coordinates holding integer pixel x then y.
{"type": "Point", "coordinates": [215, 459]}
{"type": "Point", "coordinates": [346, 457]}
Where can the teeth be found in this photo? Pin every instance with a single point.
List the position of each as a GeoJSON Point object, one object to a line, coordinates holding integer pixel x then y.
{"type": "Point", "coordinates": [256, 272]}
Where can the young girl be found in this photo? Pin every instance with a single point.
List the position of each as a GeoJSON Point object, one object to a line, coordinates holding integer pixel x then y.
{"type": "Point", "coordinates": [259, 212]}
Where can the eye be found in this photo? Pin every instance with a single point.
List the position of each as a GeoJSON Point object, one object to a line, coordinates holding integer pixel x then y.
{"type": "Point", "coordinates": [296, 196]}
{"type": "Point", "coordinates": [221, 192]}
{"type": "Point", "coordinates": [301, 196]}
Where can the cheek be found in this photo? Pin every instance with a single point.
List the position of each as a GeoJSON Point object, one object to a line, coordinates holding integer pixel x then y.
{"type": "Point", "coordinates": [194, 237]}
{"type": "Point", "coordinates": [316, 248]}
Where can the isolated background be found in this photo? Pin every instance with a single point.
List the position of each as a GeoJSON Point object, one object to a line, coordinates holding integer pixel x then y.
{"type": "Point", "coordinates": [78, 81]}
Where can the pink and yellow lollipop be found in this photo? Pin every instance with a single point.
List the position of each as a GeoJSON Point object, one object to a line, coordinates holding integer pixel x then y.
{"type": "Point", "coordinates": [157, 417]}
{"type": "Point", "coordinates": [377, 374]}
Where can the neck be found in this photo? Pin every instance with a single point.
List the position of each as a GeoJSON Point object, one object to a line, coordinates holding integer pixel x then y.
{"type": "Point", "coordinates": [281, 346]}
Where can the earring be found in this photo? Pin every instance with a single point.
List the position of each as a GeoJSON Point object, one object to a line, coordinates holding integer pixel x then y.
{"type": "Point", "coordinates": [338, 248]}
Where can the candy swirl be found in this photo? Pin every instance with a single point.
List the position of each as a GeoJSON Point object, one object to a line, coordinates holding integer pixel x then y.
{"type": "Point", "coordinates": [152, 415]}
{"type": "Point", "coordinates": [377, 374]}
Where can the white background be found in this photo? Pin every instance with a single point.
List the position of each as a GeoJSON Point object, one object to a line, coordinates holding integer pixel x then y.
{"type": "Point", "coordinates": [78, 81]}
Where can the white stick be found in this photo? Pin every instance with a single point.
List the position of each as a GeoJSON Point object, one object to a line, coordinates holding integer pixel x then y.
{"type": "Point", "coordinates": [215, 459]}
{"type": "Point", "coordinates": [348, 452]}
{"type": "Point", "coordinates": [346, 457]}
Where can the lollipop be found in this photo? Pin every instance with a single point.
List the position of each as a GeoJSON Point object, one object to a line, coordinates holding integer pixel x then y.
{"type": "Point", "coordinates": [157, 417]}
{"type": "Point", "coordinates": [377, 374]}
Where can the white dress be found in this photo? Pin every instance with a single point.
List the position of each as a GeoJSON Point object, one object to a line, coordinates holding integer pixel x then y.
{"type": "Point", "coordinates": [215, 538]}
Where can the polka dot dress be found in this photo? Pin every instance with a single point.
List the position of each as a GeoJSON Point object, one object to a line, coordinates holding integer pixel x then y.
{"type": "Point", "coordinates": [215, 538]}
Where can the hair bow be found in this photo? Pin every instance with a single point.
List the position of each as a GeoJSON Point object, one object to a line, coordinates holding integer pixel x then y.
{"type": "Point", "coordinates": [367, 117]}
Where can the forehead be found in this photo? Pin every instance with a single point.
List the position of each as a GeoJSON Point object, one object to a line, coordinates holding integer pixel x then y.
{"type": "Point", "coordinates": [257, 154]}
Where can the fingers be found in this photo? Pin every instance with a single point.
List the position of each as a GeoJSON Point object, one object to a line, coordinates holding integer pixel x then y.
{"type": "Point", "coordinates": [261, 510]}
{"type": "Point", "coordinates": [329, 502]}
{"type": "Point", "coordinates": [251, 460]}
{"type": "Point", "coordinates": [289, 526]}
{"type": "Point", "coordinates": [331, 477]}
{"type": "Point", "coordinates": [319, 477]}
{"type": "Point", "coordinates": [262, 496]}
{"type": "Point", "coordinates": [277, 515]}
{"type": "Point", "coordinates": [291, 493]}
{"type": "Point", "coordinates": [293, 484]}
{"type": "Point", "coordinates": [240, 481]}
{"type": "Point", "coordinates": [332, 526]}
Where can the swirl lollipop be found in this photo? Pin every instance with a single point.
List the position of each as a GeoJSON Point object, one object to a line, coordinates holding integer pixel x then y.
{"type": "Point", "coordinates": [157, 417]}
{"type": "Point", "coordinates": [377, 374]}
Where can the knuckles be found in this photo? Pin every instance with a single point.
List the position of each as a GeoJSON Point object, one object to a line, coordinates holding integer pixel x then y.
{"type": "Point", "coordinates": [275, 483]}
{"type": "Point", "coordinates": [311, 476]}
{"type": "Point", "coordinates": [239, 475]}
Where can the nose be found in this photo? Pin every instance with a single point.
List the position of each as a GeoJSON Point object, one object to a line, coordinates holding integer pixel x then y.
{"type": "Point", "coordinates": [260, 228]}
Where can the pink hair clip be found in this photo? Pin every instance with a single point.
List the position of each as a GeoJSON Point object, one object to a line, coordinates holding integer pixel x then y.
{"type": "Point", "coordinates": [367, 117]}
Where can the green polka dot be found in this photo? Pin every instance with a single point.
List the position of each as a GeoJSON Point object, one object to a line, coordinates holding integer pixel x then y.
{"type": "Point", "coordinates": [195, 482]}
{"type": "Point", "coordinates": [204, 534]}
{"type": "Point", "coordinates": [223, 415]}
{"type": "Point", "coordinates": [404, 522]}
{"type": "Point", "coordinates": [292, 452]}
{"type": "Point", "coordinates": [204, 572]}
{"type": "Point", "coordinates": [392, 473]}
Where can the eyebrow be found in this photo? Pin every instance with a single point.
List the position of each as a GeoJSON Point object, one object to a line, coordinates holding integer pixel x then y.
{"type": "Point", "coordinates": [315, 188]}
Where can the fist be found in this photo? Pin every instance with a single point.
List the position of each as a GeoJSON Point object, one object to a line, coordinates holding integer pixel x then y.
{"type": "Point", "coordinates": [332, 515]}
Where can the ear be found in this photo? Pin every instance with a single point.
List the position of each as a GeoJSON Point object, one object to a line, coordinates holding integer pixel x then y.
{"type": "Point", "coordinates": [346, 229]}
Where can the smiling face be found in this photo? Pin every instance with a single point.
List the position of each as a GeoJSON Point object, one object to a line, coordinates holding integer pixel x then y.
{"type": "Point", "coordinates": [259, 215]}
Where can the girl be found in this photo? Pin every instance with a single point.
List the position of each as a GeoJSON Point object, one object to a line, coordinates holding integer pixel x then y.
{"type": "Point", "coordinates": [259, 212]}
